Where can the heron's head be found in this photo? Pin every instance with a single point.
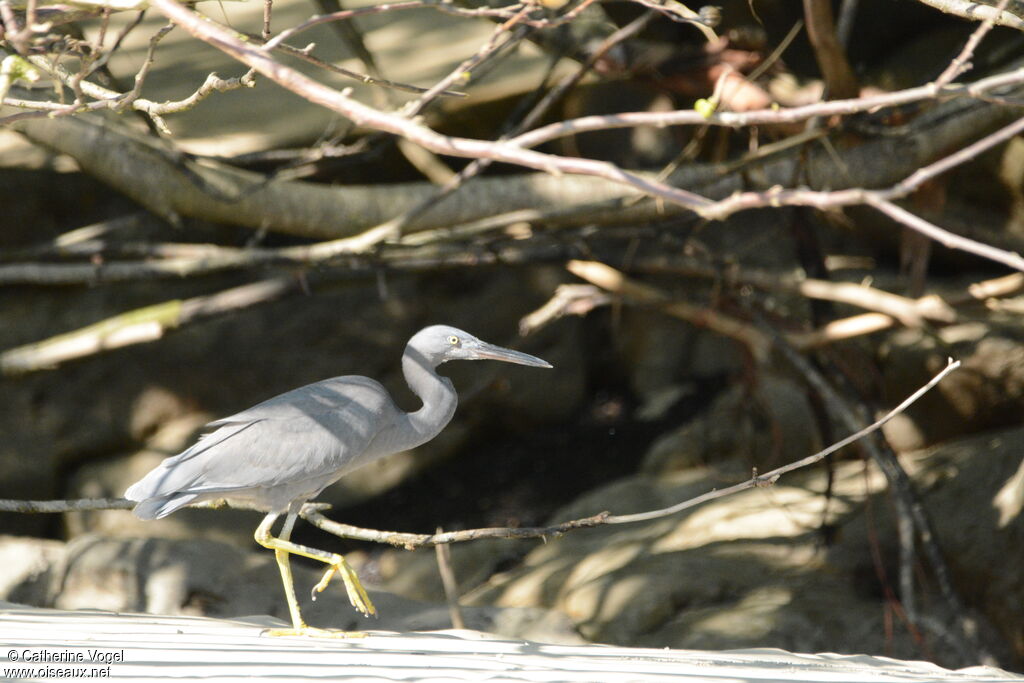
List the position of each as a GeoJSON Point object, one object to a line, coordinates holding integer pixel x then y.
{"type": "Point", "coordinates": [442, 343]}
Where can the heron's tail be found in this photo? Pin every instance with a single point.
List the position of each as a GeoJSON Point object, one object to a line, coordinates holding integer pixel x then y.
{"type": "Point", "coordinates": [152, 502]}
{"type": "Point", "coordinates": [155, 508]}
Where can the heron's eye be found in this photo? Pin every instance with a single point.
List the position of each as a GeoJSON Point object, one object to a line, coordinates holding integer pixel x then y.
{"type": "Point", "coordinates": [453, 340]}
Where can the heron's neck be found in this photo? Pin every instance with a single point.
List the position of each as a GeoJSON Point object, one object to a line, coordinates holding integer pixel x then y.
{"type": "Point", "coordinates": [436, 392]}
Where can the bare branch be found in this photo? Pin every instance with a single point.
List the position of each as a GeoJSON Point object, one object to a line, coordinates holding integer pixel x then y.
{"type": "Point", "coordinates": [138, 326]}
{"type": "Point", "coordinates": [769, 478]}
{"type": "Point", "coordinates": [832, 62]}
{"type": "Point", "coordinates": [59, 506]}
{"type": "Point", "coordinates": [968, 9]}
{"type": "Point", "coordinates": [614, 281]}
{"type": "Point", "coordinates": [911, 514]}
{"type": "Point", "coordinates": [774, 116]}
{"type": "Point", "coordinates": [361, 114]}
{"type": "Point", "coordinates": [311, 511]}
{"type": "Point", "coordinates": [944, 237]}
{"type": "Point", "coordinates": [961, 62]}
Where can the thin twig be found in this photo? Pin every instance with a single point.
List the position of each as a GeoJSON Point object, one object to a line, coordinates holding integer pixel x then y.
{"type": "Point", "coordinates": [772, 116]}
{"type": "Point", "coordinates": [451, 586]}
{"type": "Point", "coordinates": [312, 511]}
{"type": "Point", "coordinates": [501, 39]}
{"type": "Point", "coordinates": [137, 326]}
{"type": "Point", "coordinates": [976, 11]}
{"type": "Point", "coordinates": [909, 507]}
{"type": "Point", "coordinates": [839, 78]}
{"type": "Point", "coordinates": [552, 97]}
{"type": "Point", "coordinates": [769, 478]}
{"type": "Point", "coordinates": [614, 281]}
{"type": "Point", "coordinates": [961, 62]}
{"type": "Point", "coordinates": [59, 506]}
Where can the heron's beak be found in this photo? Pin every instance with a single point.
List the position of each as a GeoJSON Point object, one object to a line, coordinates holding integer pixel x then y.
{"type": "Point", "coordinates": [492, 352]}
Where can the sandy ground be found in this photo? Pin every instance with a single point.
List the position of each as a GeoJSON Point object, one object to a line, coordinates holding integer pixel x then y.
{"type": "Point", "coordinates": [41, 644]}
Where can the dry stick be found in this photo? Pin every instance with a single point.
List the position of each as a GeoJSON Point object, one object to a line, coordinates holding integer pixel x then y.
{"type": "Point", "coordinates": [140, 78]}
{"type": "Point", "coordinates": [361, 114]}
{"type": "Point", "coordinates": [838, 75]}
{"type": "Point", "coordinates": [614, 281]}
{"type": "Point", "coordinates": [451, 586]}
{"type": "Point", "coordinates": [1000, 286]}
{"type": "Point", "coordinates": [311, 511]}
{"type": "Point", "coordinates": [346, 14]}
{"type": "Point", "coordinates": [104, 98]}
{"type": "Point", "coordinates": [838, 330]}
{"type": "Point", "coordinates": [903, 493]}
{"type": "Point", "coordinates": [767, 117]}
{"type": "Point", "coordinates": [568, 299]}
{"type": "Point", "coordinates": [478, 166]}
{"type": "Point", "coordinates": [145, 324]}
{"type": "Point", "coordinates": [909, 312]}
{"type": "Point", "coordinates": [465, 69]}
{"type": "Point", "coordinates": [882, 199]}
{"type": "Point", "coordinates": [769, 478]}
{"type": "Point", "coordinates": [970, 9]}
{"type": "Point", "coordinates": [961, 62]}
{"type": "Point", "coordinates": [376, 80]}
{"type": "Point", "coordinates": [944, 237]}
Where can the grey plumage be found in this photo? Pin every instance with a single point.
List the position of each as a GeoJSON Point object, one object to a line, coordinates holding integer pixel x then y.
{"type": "Point", "coordinates": [282, 452]}
{"type": "Point", "coordinates": [294, 445]}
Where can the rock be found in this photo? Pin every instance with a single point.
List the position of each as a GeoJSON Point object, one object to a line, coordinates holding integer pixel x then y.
{"type": "Point", "coordinates": [414, 574]}
{"type": "Point", "coordinates": [99, 424]}
{"type": "Point", "coordinates": [661, 353]}
{"type": "Point", "coordinates": [986, 393]}
{"type": "Point", "coordinates": [754, 569]}
{"type": "Point", "coordinates": [28, 566]}
{"type": "Point", "coordinates": [209, 578]}
{"type": "Point", "coordinates": [761, 426]}
{"type": "Point", "coordinates": [109, 479]}
{"type": "Point", "coordinates": [961, 483]}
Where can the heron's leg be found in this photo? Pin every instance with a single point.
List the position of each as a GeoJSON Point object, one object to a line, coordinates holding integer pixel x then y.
{"type": "Point", "coordinates": [284, 565]}
{"type": "Point", "coordinates": [299, 627]}
{"type": "Point", "coordinates": [336, 564]}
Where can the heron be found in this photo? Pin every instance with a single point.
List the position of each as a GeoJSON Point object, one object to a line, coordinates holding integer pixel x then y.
{"type": "Point", "coordinates": [281, 453]}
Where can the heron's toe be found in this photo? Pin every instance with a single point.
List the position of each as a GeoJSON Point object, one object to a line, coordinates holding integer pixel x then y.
{"type": "Point", "coordinates": [357, 595]}
{"type": "Point", "coordinates": [312, 632]}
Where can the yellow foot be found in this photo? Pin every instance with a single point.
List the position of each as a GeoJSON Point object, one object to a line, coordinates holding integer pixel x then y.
{"type": "Point", "coordinates": [356, 593]}
{"type": "Point", "coordinates": [311, 632]}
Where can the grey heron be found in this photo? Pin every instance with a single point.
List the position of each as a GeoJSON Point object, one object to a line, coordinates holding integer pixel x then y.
{"type": "Point", "coordinates": [284, 451]}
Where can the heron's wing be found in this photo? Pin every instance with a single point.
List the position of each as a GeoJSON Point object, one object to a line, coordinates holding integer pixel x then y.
{"type": "Point", "coordinates": [314, 433]}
